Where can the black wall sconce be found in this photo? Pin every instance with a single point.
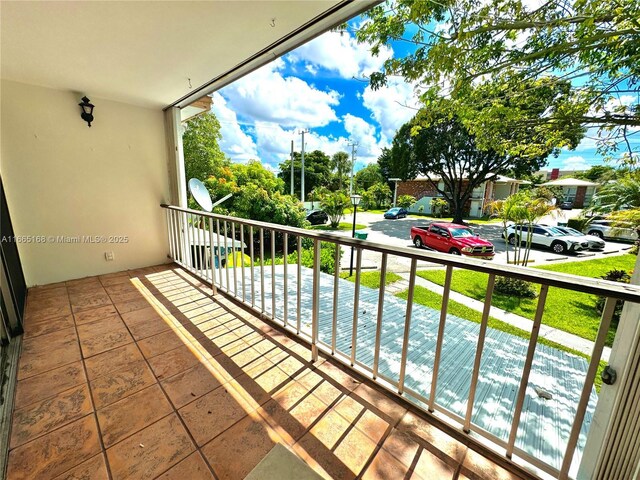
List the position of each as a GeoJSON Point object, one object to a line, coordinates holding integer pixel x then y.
{"type": "Point", "coordinates": [87, 110]}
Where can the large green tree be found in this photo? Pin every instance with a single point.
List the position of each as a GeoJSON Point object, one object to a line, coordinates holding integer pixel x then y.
{"type": "Point", "coordinates": [202, 155]}
{"type": "Point", "coordinates": [317, 171]}
{"type": "Point", "coordinates": [446, 151]}
{"type": "Point", "coordinates": [368, 176]}
{"type": "Point", "coordinates": [577, 59]}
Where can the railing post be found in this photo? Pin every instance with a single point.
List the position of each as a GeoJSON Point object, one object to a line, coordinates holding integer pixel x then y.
{"type": "Point", "coordinates": [316, 300]}
{"type": "Point", "coordinates": [383, 283]}
{"type": "Point", "coordinates": [443, 320]}
{"type": "Point", "coordinates": [407, 326]}
{"type": "Point", "coordinates": [356, 307]}
{"type": "Point", "coordinates": [211, 261]}
{"type": "Point", "coordinates": [476, 364]}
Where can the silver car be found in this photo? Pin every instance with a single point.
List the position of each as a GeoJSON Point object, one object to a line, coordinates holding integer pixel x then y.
{"type": "Point", "coordinates": [595, 242]}
{"type": "Point", "coordinates": [605, 229]}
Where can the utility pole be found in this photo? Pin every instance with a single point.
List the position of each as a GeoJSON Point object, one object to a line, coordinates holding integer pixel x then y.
{"type": "Point", "coordinates": [292, 168]}
{"type": "Point", "coordinates": [395, 189]}
{"type": "Point", "coordinates": [302, 132]}
{"type": "Point", "coordinates": [353, 146]}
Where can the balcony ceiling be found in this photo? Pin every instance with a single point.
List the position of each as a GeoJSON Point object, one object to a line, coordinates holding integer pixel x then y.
{"type": "Point", "coordinates": [141, 53]}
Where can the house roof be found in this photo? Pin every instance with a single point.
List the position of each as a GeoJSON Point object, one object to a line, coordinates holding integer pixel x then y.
{"type": "Point", "coordinates": [155, 53]}
{"type": "Point", "coordinates": [570, 182]}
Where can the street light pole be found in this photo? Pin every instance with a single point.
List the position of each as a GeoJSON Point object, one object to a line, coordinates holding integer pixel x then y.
{"type": "Point", "coordinates": [302, 132]}
{"type": "Point", "coordinates": [355, 200]}
{"type": "Point", "coordinates": [395, 189]}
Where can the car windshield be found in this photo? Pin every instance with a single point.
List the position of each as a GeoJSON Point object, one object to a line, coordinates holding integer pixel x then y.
{"type": "Point", "coordinates": [556, 232]}
{"type": "Point", "coordinates": [572, 231]}
{"type": "Point", "coordinates": [393, 210]}
{"type": "Point", "coordinates": [461, 232]}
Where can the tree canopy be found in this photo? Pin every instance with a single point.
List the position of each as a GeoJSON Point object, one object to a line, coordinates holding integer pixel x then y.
{"type": "Point", "coordinates": [446, 151]}
{"type": "Point", "coordinates": [548, 70]}
{"type": "Point", "coordinates": [317, 171]}
{"type": "Point", "coordinates": [368, 176]}
{"type": "Point", "coordinates": [202, 155]}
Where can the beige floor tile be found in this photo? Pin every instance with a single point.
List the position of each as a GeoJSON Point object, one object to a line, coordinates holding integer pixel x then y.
{"type": "Point", "coordinates": [152, 451]}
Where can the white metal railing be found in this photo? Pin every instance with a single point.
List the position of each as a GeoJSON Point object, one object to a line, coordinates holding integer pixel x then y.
{"type": "Point", "coordinates": [205, 243]}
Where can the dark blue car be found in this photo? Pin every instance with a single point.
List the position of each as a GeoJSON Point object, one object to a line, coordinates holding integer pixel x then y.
{"type": "Point", "coordinates": [396, 212]}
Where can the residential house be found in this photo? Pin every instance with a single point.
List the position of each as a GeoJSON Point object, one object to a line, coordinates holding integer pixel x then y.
{"type": "Point", "coordinates": [123, 357]}
{"type": "Point", "coordinates": [580, 192]}
{"type": "Point", "coordinates": [497, 188]}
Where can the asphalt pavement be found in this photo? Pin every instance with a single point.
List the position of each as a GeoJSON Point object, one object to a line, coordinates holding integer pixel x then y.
{"type": "Point", "coordinates": [397, 233]}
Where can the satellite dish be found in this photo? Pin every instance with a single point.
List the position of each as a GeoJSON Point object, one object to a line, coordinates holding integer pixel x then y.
{"type": "Point", "coordinates": [200, 194]}
{"type": "Point", "coordinates": [202, 197]}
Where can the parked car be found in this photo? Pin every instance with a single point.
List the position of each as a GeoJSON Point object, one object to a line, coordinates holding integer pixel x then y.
{"type": "Point", "coordinates": [317, 217]}
{"type": "Point", "coordinates": [549, 237]}
{"type": "Point", "coordinates": [605, 229]}
{"type": "Point", "coordinates": [595, 242]}
{"type": "Point", "coordinates": [452, 238]}
{"type": "Point", "coordinates": [396, 212]}
{"type": "Point", "coordinates": [566, 205]}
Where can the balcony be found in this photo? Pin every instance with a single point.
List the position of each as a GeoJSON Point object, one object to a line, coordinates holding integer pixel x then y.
{"type": "Point", "coordinates": [145, 373]}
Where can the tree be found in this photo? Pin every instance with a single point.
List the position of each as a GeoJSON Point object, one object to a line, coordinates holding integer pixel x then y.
{"type": "Point", "coordinates": [405, 201]}
{"type": "Point", "coordinates": [334, 205]}
{"type": "Point", "coordinates": [397, 162]}
{"type": "Point", "coordinates": [445, 151]}
{"type": "Point", "coordinates": [317, 171]}
{"type": "Point", "coordinates": [577, 59]}
{"type": "Point", "coordinates": [621, 193]}
{"type": "Point", "coordinates": [598, 173]}
{"type": "Point", "coordinates": [368, 176]}
{"type": "Point", "coordinates": [341, 166]}
{"type": "Point", "coordinates": [202, 155]}
{"type": "Point", "coordinates": [377, 195]}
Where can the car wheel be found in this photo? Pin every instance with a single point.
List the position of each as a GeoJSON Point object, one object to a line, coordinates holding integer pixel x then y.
{"type": "Point", "coordinates": [558, 247]}
{"type": "Point", "coordinates": [512, 239]}
{"type": "Point", "coordinates": [454, 251]}
{"type": "Point", "coordinates": [597, 233]}
{"type": "Point", "coordinates": [417, 242]}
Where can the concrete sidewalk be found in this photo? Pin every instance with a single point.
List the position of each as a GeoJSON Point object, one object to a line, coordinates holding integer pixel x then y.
{"type": "Point", "coordinates": [553, 334]}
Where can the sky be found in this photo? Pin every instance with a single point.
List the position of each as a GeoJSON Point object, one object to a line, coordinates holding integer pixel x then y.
{"type": "Point", "coordinates": [322, 86]}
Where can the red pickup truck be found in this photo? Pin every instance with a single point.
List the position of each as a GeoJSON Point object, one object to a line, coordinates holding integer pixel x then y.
{"type": "Point", "coordinates": [452, 238]}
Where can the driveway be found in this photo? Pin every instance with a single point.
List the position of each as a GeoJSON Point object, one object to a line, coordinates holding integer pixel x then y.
{"type": "Point", "coordinates": [397, 233]}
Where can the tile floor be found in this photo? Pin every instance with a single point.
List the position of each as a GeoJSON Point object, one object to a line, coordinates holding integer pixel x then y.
{"type": "Point", "coordinates": [142, 374]}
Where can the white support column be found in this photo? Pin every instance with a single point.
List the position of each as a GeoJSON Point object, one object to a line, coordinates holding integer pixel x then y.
{"type": "Point", "coordinates": [174, 130]}
{"type": "Point", "coordinates": [611, 450]}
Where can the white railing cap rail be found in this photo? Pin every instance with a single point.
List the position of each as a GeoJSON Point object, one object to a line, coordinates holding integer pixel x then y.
{"type": "Point", "coordinates": [592, 286]}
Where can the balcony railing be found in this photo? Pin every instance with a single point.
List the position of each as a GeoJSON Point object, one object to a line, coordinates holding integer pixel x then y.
{"type": "Point", "coordinates": [409, 352]}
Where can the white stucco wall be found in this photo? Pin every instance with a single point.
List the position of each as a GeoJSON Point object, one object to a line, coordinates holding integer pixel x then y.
{"type": "Point", "coordinates": [64, 179]}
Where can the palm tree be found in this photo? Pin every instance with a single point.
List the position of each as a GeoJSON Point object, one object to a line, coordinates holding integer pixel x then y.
{"type": "Point", "coordinates": [624, 192]}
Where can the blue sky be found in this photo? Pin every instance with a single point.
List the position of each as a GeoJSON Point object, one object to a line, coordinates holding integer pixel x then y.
{"type": "Point", "coordinates": [321, 86]}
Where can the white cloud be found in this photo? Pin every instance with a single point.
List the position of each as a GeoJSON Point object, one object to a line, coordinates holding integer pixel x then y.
{"type": "Point", "coordinates": [391, 106]}
{"type": "Point", "coordinates": [340, 52]}
{"type": "Point", "coordinates": [238, 146]}
{"type": "Point", "coordinates": [575, 163]}
{"type": "Point", "coordinates": [267, 96]}
{"type": "Point", "coordinates": [369, 146]}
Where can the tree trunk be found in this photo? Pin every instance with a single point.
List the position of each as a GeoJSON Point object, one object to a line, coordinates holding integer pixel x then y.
{"type": "Point", "coordinates": [457, 212]}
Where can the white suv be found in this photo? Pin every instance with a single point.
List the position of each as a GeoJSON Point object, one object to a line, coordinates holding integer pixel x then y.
{"type": "Point", "coordinates": [549, 237]}
{"type": "Point", "coordinates": [604, 229]}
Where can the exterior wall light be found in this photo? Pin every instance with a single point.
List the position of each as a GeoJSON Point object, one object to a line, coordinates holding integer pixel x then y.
{"type": "Point", "coordinates": [87, 110]}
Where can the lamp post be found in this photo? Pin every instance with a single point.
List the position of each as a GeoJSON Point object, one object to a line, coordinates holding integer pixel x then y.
{"type": "Point", "coordinates": [355, 200]}
{"type": "Point", "coordinates": [395, 189]}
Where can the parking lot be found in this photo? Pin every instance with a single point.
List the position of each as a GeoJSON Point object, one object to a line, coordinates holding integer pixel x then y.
{"type": "Point", "coordinates": [397, 233]}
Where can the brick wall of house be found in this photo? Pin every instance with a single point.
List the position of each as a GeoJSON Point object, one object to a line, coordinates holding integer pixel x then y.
{"type": "Point", "coordinates": [417, 188]}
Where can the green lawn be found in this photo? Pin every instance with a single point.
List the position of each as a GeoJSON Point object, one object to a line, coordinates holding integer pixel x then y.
{"type": "Point", "coordinates": [433, 300]}
{"type": "Point", "coordinates": [566, 310]}
{"type": "Point", "coordinates": [372, 279]}
{"type": "Point", "coordinates": [341, 226]}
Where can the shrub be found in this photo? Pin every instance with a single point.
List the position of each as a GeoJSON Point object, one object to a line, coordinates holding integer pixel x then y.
{"type": "Point", "coordinates": [614, 276]}
{"type": "Point", "coordinates": [405, 201]}
{"type": "Point", "coordinates": [327, 257]}
{"type": "Point", "coordinates": [515, 287]}
{"type": "Point", "coordinates": [577, 223]}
